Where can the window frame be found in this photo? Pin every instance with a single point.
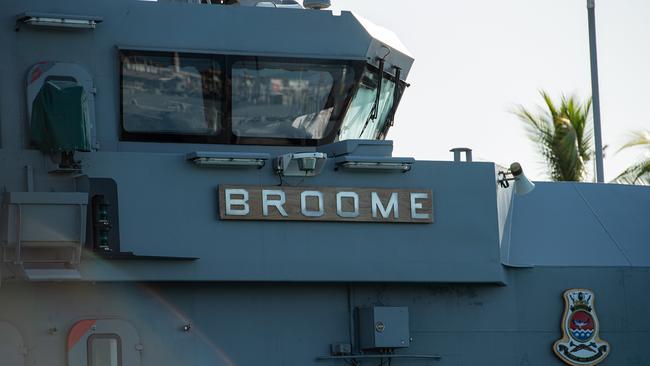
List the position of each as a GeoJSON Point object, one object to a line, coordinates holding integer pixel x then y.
{"type": "Point", "coordinates": [126, 135]}
{"type": "Point", "coordinates": [226, 62]}
{"type": "Point", "coordinates": [89, 348]}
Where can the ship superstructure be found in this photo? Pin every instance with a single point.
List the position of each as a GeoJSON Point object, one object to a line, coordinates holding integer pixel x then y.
{"type": "Point", "coordinates": [209, 184]}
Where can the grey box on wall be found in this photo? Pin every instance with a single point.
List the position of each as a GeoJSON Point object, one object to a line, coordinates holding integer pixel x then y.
{"type": "Point", "coordinates": [384, 327]}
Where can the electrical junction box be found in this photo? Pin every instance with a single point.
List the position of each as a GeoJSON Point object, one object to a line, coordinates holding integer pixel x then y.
{"type": "Point", "coordinates": [384, 327]}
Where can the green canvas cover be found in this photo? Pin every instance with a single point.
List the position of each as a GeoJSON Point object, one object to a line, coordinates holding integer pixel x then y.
{"type": "Point", "coordinates": [58, 120]}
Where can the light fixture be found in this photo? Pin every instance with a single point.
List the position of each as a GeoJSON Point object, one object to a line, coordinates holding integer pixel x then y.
{"type": "Point", "coordinates": [516, 173]}
{"type": "Point", "coordinates": [307, 164]}
{"type": "Point", "coordinates": [402, 165]}
{"type": "Point", "coordinates": [227, 159]}
{"type": "Point", "coordinates": [50, 20]}
{"type": "Point", "coordinates": [228, 162]}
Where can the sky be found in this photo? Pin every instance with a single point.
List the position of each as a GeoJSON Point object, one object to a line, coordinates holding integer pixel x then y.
{"type": "Point", "coordinates": [476, 60]}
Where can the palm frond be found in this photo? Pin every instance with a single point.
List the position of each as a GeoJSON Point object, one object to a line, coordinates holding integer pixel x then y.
{"type": "Point", "coordinates": [549, 104]}
{"type": "Point", "coordinates": [636, 174]}
{"type": "Point", "coordinates": [638, 138]}
{"type": "Point", "coordinates": [561, 134]}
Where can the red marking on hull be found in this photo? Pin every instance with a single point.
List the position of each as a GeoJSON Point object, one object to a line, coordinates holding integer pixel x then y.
{"type": "Point", "coordinates": [36, 74]}
{"type": "Point", "coordinates": [79, 330]}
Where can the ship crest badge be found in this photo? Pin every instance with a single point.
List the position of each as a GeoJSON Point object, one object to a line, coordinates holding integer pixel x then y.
{"type": "Point", "coordinates": [580, 344]}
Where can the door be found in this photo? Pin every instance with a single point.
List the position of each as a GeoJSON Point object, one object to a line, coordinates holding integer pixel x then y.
{"type": "Point", "coordinates": [103, 342]}
{"type": "Point", "coordinates": [12, 349]}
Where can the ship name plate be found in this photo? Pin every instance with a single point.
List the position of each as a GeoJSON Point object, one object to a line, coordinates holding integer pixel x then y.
{"type": "Point", "coordinates": [281, 203]}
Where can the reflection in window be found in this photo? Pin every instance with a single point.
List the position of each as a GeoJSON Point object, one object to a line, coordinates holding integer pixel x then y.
{"type": "Point", "coordinates": [357, 123]}
{"type": "Point", "coordinates": [273, 99]}
{"type": "Point", "coordinates": [171, 93]}
{"type": "Point", "coordinates": [104, 350]}
{"type": "Point", "coordinates": [232, 99]}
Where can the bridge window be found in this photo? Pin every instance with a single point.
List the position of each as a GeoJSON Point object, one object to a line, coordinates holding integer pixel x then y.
{"type": "Point", "coordinates": [358, 122]}
{"type": "Point", "coordinates": [287, 100]}
{"type": "Point", "coordinates": [104, 350]}
{"type": "Point", "coordinates": [236, 99]}
{"type": "Point", "coordinates": [171, 93]}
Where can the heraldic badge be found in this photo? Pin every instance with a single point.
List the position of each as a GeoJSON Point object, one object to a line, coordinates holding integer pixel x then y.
{"type": "Point", "coordinates": [580, 344]}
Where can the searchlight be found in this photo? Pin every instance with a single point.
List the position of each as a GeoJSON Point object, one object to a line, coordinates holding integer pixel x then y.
{"type": "Point", "coordinates": [523, 185]}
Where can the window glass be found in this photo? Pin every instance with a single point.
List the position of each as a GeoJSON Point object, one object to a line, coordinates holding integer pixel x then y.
{"type": "Point", "coordinates": [374, 126]}
{"type": "Point", "coordinates": [104, 350]}
{"type": "Point", "coordinates": [286, 100]}
{"type": "Point", "coordinates": [171, 93]}
{"type": "Point", "coordinates": [358, 123]}
{"type": "Point", "coordinates": [211, 98]}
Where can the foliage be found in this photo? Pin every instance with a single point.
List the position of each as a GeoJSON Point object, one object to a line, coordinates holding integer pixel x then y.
{"type": "Point", "coordinates": [562, 135]}
{"type": "Point", "coordinates": [638, 173]}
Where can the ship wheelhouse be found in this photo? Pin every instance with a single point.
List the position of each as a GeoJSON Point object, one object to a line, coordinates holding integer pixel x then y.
{"type": "Point", "coordinates": [168, 96]}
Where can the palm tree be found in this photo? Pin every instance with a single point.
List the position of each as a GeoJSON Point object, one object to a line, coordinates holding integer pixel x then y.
{"type": "Point", "coordinates": [638, 173]}
{"type": "Point", "coordinates": [562, 135]}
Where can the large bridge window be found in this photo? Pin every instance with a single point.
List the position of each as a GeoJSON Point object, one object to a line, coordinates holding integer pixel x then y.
{"type": "Point", "coordinates": [288, 100]}
{"type": "Point", "coordinates": [234, 99]}
{"type": "Point", "coordinates": [171, 93]}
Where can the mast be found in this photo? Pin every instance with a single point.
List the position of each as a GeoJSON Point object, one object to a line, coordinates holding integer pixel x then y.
{"type": "Point", "coordinates": [600, 175]}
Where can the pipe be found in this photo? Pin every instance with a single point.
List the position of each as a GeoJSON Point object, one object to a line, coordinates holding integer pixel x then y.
{"type": "Point", "coordinates": [379, 356]}
{"type": "Point", "coordinates": [351, 317]}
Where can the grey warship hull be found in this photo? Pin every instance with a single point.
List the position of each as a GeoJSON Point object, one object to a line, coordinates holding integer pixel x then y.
{"type": "Point", "coordinates": [137, 253]}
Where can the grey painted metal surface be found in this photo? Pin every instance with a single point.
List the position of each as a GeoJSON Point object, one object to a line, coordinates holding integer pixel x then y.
{"type": "Point", "coordinates": [176, 214]}
{"type": "Point", "coordinates": [292, 324]}
{"type": "Point", "coordinates": [383, 327]}
{"type": "Point", "coordinates": [12, 348]}
{"type": "Point", "coordinates": [578, 224]}
{"type": "Point", "coordinates": [163, 26]}
{"type": "Point", "coordinates": [211, 292]}
{"type": "Point", "coordinates": [178, 217]}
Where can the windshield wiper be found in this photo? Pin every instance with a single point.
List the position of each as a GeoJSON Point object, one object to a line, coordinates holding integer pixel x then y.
{"type": "Point", "coordinates": [374, 113]}
{"type": "Point", "coordinates": [397, 95]}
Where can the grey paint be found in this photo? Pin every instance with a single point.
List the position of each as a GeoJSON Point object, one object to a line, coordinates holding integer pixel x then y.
{"type": "Point", "coordinates": [189, 226]}
{"type": "Point", "coordinates": [177, 216]}
{"type": "Point", "coordinates": [578, 224]}
{"type": "Point", "coordinates": [382, 327]}
{"type": "Point", "coordinates": [12, 349]}
{"type": "Point", "coordinates": [292, 324]}
{"type": "Point", "coordinates": [281, 293]}
{"type": "Point", "coordinates": [163, 26]}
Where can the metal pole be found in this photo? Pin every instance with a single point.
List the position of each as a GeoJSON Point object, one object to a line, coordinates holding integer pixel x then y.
{"type": "Point", "coordinates": [600, 175]}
